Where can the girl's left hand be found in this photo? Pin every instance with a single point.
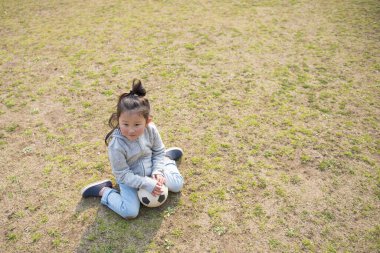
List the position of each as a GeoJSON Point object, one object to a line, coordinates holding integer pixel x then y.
{"type": "Point", "coordinates": [160, 179]}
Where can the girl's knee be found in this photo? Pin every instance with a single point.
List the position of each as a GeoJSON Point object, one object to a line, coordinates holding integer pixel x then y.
{"type": "Point", "coordinates": [175, 186]}
{"type": "Point", "coordinates": [131, 216]}
{"type": "Point", "coordinates": [130, 212]}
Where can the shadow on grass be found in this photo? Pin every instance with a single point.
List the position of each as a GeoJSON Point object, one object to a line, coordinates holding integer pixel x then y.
{"type": "Point", "coordinates": [111, 233]}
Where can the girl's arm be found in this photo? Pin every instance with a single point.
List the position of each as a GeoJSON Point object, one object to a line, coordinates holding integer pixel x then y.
{"type": "Point", "coordinates": [158, 152]}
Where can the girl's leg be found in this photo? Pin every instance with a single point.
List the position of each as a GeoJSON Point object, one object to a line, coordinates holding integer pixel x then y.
{"type": "Point", "coordinates": [174, 179]}
{"type": "Point", "coordinates": [126, 203]}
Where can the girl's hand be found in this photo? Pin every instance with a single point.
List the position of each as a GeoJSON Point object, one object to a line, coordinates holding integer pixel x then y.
{"type": "Point", "coordinates": [157, 189]}
{"type": "Point", "coordinates": [159, 178]}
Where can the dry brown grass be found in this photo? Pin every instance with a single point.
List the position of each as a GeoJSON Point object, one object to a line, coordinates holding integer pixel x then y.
{"type": "Point", "coordinates": [276, 104]}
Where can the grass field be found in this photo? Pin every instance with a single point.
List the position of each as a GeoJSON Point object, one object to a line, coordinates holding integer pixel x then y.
{"type": "Point", "coordinates": [276, 104]}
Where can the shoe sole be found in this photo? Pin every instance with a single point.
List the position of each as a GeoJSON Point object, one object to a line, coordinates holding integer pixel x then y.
{"type": "Point", "coordinates": [93, 184]}
{"type": "Point", "coordinates": [176, 149]}
{"type": "Point", "coordinates": [172, 148]}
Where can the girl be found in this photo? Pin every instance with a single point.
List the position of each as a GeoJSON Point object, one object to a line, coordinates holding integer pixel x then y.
{"type": "Point", "coordinates": [137, 155]}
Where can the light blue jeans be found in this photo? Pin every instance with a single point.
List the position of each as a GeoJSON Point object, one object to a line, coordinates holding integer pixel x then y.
{"type": "Point", "coordinates": [127, 204]}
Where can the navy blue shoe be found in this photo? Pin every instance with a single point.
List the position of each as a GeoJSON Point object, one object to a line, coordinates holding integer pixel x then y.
{"type": "Point", "coordinates": [174, 153]}
{"type": "Point", "coordinates": [92, 190]}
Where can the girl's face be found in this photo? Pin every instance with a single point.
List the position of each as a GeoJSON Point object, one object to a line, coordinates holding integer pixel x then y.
{"type": "Point", "coordinates": [132, 124]}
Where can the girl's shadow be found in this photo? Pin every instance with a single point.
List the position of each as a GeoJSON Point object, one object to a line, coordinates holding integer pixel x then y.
{"type": "Point", "coordinates": [111, 233]}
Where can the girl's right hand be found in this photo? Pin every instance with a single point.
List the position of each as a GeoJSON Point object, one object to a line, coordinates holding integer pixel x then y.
{"type": "Point", "coordinates": [157, 189]}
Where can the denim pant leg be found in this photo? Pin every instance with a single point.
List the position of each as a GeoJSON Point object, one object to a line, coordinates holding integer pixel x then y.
{"type": "Point", "coordinates": [174, 179]}
{"type": "Point", "coordinates": [126, 203]}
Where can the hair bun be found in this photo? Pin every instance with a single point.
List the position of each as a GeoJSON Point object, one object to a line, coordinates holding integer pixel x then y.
{"type": "Point", "coordinates": [137, 88]}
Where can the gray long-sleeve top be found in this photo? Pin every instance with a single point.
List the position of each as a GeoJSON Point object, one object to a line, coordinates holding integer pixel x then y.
{"type": "Point", "coordinates": [134, 162]}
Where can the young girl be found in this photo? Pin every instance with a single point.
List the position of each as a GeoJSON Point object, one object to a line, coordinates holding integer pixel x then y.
{"type": "Point", "coordinates": [137, 155]}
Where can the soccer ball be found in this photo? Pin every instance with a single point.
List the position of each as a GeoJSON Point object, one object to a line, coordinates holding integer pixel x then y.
{"type": "Point", "coordinates": [147, 199]}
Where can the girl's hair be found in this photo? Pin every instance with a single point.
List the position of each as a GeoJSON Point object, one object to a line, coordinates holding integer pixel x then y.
{"type": "Point", "coordinates": [132, 101]}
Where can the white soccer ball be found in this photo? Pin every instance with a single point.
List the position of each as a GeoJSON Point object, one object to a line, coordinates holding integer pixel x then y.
{"type": "Point", "coordinates": [147, 199]}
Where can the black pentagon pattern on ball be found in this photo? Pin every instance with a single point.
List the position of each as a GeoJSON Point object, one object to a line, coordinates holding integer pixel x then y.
{"type": "Point", "coordinates": [145, 200]}
{"type": "Point", "coordinates": [161, 198]}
